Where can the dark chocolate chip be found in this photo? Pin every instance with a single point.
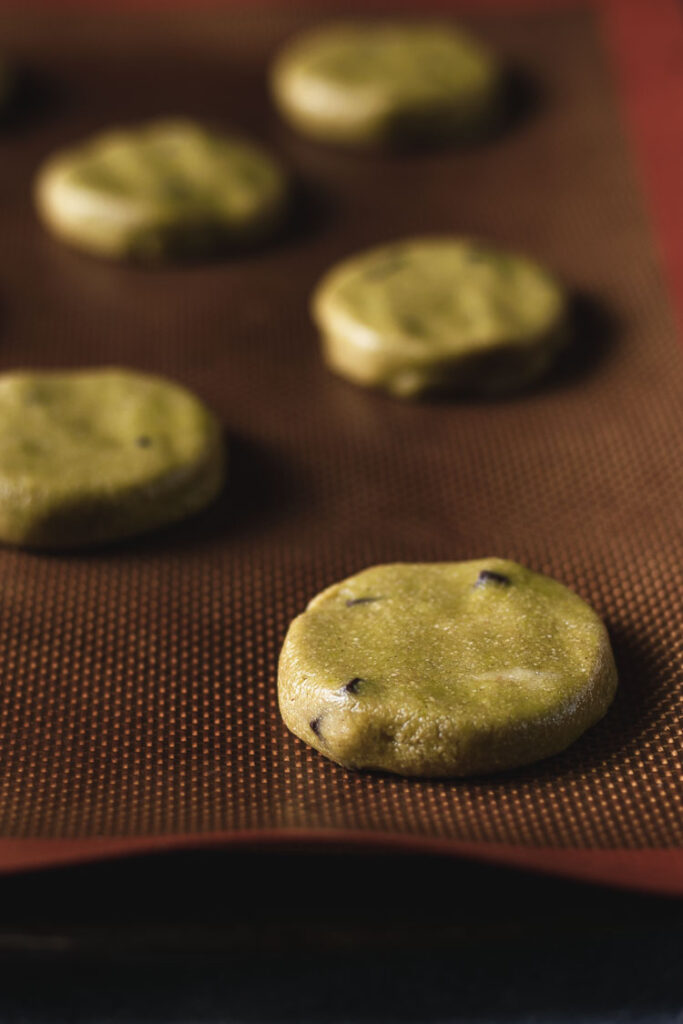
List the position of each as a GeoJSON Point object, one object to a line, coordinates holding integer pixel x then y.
{"type": "Point", "coordinates": [315, 726]}
{"type": "Point", "coordinates": [353, 684]}
{"type": "Point", "coordinates": [361, 600]}
{"type": "Point", "coordinates": [144, 442]}
{"type": "Point", "coordinates": [488, 576]}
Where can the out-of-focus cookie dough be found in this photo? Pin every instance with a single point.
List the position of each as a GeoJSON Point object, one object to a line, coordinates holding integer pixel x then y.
{"type": "Point", "coordinates": [445, 669]}
{"type": "Point", "coordinates": [90, 456]}
{"type": "Point", "coordinates": [387, 82]}
{"type": "Point", "coordinates": [162, 191]}
{"type": "Point", "coordinates": [440, 314]}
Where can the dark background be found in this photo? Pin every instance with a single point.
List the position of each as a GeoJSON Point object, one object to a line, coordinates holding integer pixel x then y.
{"type": "Point", "coordinates": [340, 938]}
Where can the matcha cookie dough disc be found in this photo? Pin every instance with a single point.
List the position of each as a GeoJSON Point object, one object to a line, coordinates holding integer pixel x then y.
{"type": "Point", "coordinates": [96, 455]}
{"type": "Point", "coordinates": [446, 669]}
{"type": "Point", "coordinates": [387, 83]}
{"type": "Point", "coordinates": [440, 314]}
{"type": "Point", "coordinates": [167, 190]}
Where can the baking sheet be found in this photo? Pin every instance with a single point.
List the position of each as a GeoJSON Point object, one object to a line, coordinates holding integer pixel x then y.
{"type": "Point", "coordinates": [138, 681]}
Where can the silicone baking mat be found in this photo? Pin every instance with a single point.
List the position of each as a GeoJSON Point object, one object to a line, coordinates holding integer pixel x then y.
{"type": "Point", "coordinates": [138, 682]}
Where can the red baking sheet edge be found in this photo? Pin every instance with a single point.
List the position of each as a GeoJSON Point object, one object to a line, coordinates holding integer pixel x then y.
{"type": "Point", "coordinates": [656, 871]}
{"type": "Point", "coordinates": [645, 43]}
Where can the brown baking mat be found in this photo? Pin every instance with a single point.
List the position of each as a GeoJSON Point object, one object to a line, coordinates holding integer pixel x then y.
{"type": "Point", "coordinates": [139, 682]}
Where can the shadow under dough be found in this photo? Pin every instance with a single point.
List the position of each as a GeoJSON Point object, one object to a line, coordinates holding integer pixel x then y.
{"type": "Point", "coordinates": [258, 490]}
{"type": "Point", "coordinates": [594, 330]}
{"type": "Point", "coordinates": [33, 97]}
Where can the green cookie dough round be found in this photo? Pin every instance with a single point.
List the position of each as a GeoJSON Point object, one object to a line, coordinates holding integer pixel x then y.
{"type": "Point", "coordinates": [90, 456]}
{"type": "Point", "coordinates": [440, 314]}
{"type": "Point", "coordinates": [445, 669]}
{"type": "Point", "coordinates": [387, 82]}
{"type": "Point", "coordinates": [162, 191]}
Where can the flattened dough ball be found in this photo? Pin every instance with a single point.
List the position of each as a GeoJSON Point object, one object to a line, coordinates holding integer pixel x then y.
{"type": "Point", "coordinates": [387, 83]}
{"type": "Point", "coordinates": [162, 191]}
{"type": "Point", "coordinates": [90, 456]}
{"type": "Point", "coordinates": [445, 669]}
{"type": "Point", "coordinates": [440, 314]}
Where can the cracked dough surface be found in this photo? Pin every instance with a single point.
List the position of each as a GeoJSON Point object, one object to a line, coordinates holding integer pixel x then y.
{"type": "Point", "coordinates": [387, 82]}
{"type": "Point", "coordinates": [89, 456]}
{"type": "Point", "coordinates": [440, 314]}
{"type": "Point", "coordinates": [161, 191]}
{"type": "Point", "coordinates": [445, 669]}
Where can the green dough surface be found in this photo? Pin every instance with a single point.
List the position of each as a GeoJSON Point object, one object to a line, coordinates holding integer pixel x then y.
{"type": "Point", "coordinates": [95, 455]}
{"type": "Point", "coordinates": [440, 314]}
{"type": "Point", "coordinates": [166, 190]}
{"type": "Point", "coordinates": [445, 669]}
{"type": "Point", "coordinates": [387, 82]}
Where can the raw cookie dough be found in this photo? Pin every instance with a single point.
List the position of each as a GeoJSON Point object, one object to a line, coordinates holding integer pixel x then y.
{"type": "Point", "coordinates": [445, 669]}
{"type": "Point", "coordinates": [162, 191]}
{"type": "Point", "coordinates": [440, 314]}
{"type": "Point", "coordinates": [90, 456]}
{"type": "Point", "coordinates": [387, 82]}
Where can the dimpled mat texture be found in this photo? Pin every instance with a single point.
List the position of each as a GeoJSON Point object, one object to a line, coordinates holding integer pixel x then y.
{"type": "Point", "coordinates": [139, 681]}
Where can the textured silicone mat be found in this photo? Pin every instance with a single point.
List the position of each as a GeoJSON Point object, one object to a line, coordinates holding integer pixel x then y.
{"type": "Point", "coordinates": [138, 682]}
